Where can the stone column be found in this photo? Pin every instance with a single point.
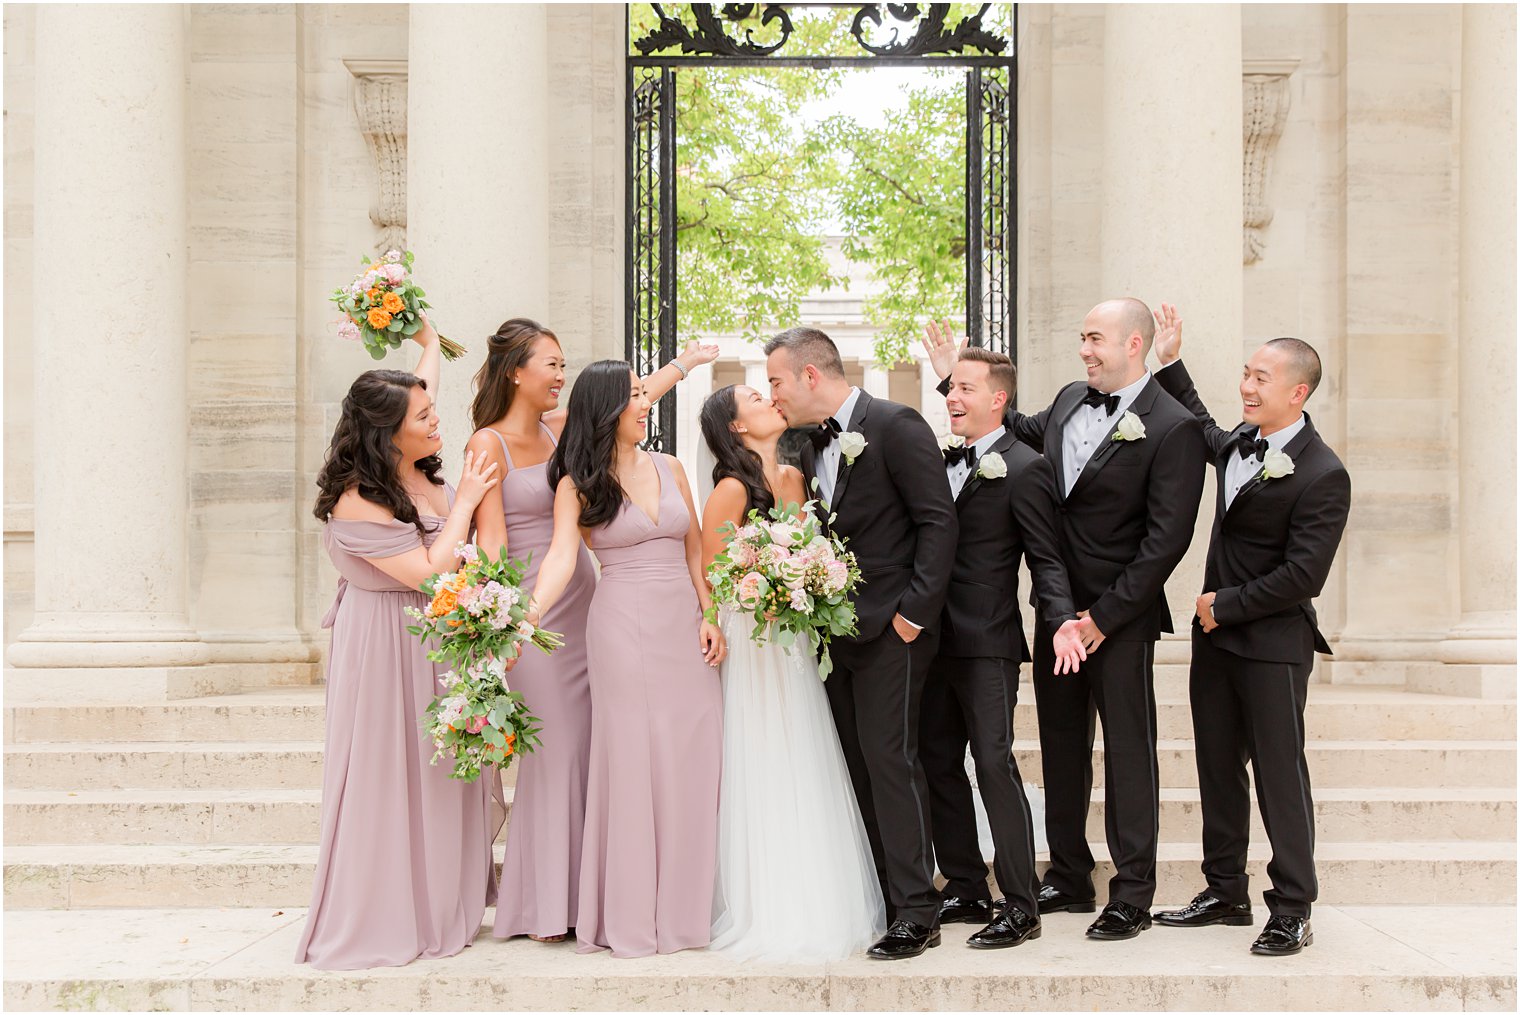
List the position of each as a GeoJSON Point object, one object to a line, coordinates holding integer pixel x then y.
{"type": "Point", "coordinates": [875, 381]}
{"type": "Point", "coordinates": [477, 179]}
{"type": "Point", "coordinates": [1172, 201]}
{"type": "Point", "coordinates": [1484, 639]}
{"type": "Point", "coordinates": [111, 352]}
{"type": "Point", "coordinates": [930, 402]}
{"type": "Point", "coordinates": [755, 375]}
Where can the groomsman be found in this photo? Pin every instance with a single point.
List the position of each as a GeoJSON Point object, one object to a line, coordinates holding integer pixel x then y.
{"type": "Point", "coordinates": [1281, 509]}
{"type": "Point", "coordinates": [1128, 463]}
{"type": "Point", "coordinates": [1006, 503]}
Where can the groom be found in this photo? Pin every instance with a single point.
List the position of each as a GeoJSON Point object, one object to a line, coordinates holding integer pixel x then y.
{"type": "Point", "coordinates": [879, 471]}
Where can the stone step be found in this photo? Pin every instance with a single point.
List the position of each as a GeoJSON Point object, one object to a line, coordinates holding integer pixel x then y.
{"type": "Point", "coordinates": [298, 764]}
{"type": "Point", "coordinates": [293, 815]}
{"type": "Point", "coordinates": [107, 875]}
{"type": "Point", "coordinates": [1392, 958]}
{"type": "Point", "coordinates": [296, 714]}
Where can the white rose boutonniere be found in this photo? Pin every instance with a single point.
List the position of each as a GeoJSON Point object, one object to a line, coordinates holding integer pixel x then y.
{"type": "Point", "coordinates": [1130, 428]}
{"type": "Point", "coordinates": [951, 441]}
{"type": "Point", "coordinates": [851, 444]}
{"type": "Point", "coordinates": [991, 466]}
{"type": "Point", "coordinates": [1277, 465]}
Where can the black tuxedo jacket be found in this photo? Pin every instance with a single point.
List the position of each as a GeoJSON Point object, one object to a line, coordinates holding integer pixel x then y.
{"type": "Point", "coordinates": [893, 507]}
{"type": "Point", "coordinates": [1001, 520]}
{"type": "Point", "coordinates": [1270, 553]}
{"type": "Point", "coordinates": [1129, 517]}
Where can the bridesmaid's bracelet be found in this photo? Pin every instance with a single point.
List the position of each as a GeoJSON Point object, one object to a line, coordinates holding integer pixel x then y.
{"type": "Point", "coordinates": [684, 372]}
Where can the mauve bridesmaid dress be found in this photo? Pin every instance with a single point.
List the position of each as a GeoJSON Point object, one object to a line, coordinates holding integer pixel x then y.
{"type": "Point", "coordinates": [404, 869]}
{"type": "Point", "coordinates": [656, 741]}
{"type": "Point", "coordinates": [540, 877]}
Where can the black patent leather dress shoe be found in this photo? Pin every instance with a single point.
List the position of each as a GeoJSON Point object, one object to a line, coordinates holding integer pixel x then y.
{"type": "Point", "coordinates": [1012, 927]}
{"type": "Point", "coordinates": [958, 910]}
{"type": "Point", "coordinates": [903, 940]}
{"type": "Point", "coordinates": [1284, 935]}
{"type": "Point", "coordinates": [1204, 910]}
{"type": "Point", "coordinates": [1053, 900]}
{"type": "Point", "coordinates": [1119, 921]}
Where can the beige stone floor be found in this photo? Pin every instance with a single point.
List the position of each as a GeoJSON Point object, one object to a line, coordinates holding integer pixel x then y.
{"type": "Point", "coordinates": [1364, 957]}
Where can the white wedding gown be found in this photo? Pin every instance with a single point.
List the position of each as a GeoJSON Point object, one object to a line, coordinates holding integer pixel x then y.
{"type": "Point", "coordinates": [795, 879]}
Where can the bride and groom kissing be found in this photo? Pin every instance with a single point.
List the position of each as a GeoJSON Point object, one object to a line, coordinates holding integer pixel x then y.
{"type": "Point", "coordinates": [937, 649]}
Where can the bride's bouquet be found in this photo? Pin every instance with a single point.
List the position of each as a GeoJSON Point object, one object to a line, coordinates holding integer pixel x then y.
{"type": "Point", "coordinates": [478, 720]}
{"type": "Point", "coordinates": [479, 612]}
{"type": "Point", "coordinates": [384, 305]}
{"type": "Point", "coordinates": [786, 573]}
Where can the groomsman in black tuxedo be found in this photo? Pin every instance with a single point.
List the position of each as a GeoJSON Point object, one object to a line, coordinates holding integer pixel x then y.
{"type": "Point", "coordinates": [1005, 495]}
{"type": "Point", "coordinates": [1281, 509]}
{"type": "Point", "coordinates": [879, 471]}
{"type": "Point", "coordinates": [1128, 463]}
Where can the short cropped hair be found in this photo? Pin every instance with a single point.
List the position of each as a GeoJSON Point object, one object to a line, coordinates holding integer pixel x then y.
{"type": "Point", "coordinates": [808, 345]}
{"type": "Point", "coordinates": [1135, 316]}
{"type": "Point", "coordinates": [1001, 373]}
{"type": "Point", "coordinates": [1304, 359]}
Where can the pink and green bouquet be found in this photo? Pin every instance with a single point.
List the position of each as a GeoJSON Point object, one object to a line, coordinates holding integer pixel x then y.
{"type": "Point", "coordinates": [479, 720]}
{"type": "Point", "coordinates": [383, 307]}
{"type": "Point", "coordinates": [479, 612]}
{"type": "Point", "coordinates": [790, 576]}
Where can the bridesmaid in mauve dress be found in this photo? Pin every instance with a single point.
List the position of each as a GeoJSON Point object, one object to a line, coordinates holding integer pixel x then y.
{"type": "Point", "coordinates": [404, 867]}
{"type": "Point", "coordinates": [656, 730]}
{"type": "Point", "coordinates": [517, 421]}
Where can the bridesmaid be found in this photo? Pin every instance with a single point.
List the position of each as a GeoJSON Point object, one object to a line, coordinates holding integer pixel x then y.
{"type": "Point", "coordinates": [656, 733]}
{"type": "Point", "coordinates": [518, 422]}
{"type": "Point", "coordinates": [404, 868]}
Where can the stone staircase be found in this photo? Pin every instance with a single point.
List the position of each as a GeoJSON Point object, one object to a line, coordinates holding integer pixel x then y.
{"type": "Point", "coordinates": [178, 839]}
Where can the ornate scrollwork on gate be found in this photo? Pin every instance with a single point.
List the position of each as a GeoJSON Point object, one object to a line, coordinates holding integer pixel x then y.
{"type": "Point", "coordinates": [989, 204]}
{"type": "Point", "coordinates": [710, 37]}
{"type": "Point", "coordinates": [650, 326]}
{"type": "Point", "coordinates": [929, 34]}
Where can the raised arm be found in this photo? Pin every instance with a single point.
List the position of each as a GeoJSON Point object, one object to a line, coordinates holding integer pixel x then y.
{"type": "Point", "coordinates": [709, 636]}
{"type": "Point", "coordinates": [420, 563]}
{"type": "Point", "coordinates": [668, 376]}
{"type": "Point", "coordinates": [1173, 490]}
{"type": "Point", "coordinates": [917, 467]}
{"type": "Point", "coordinates": [429, 364]}
{"type": "Point", "coordinates": [558, 568]}
{"type": "Point", "coordinates": [1174, 380]}
{"type": "Point", "coordinates": [1314, 533]}
{"type": "Point", "coordinates": [943, 350]}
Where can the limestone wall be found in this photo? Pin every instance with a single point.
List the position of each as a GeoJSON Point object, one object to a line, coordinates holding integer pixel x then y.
{"type": "Point", "coordinates": [1359, 258]}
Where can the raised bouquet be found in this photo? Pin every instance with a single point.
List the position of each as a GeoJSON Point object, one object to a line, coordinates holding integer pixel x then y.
{"type": "Point", "coordinates": [475, 620]}
{"type": "Point", "coordinates": [384, 305]}
{"type": "Point", "coordinates": [479, 720]}
{"type": "Point", "coordinates": [790, 576]}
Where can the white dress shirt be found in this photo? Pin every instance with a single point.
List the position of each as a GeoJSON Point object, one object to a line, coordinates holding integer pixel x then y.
{"type": "Point", "coordinates": [1088, 426]}
{"type": "Point", "coordinates": [1240, 471]}
{"type": "Point", "coordinates": [959, 473]}
{"type": "Point", "coordinates": [826, 466]}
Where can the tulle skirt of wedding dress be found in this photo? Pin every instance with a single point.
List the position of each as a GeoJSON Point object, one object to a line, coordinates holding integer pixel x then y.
{"type": "Point", "coordinates": [795, 880]}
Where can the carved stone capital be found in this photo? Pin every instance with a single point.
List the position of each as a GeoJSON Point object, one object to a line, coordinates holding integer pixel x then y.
{"type": "Point", "coordinates": [1265, 113]}
{"type": "Point", "coordinates": [380, 104]}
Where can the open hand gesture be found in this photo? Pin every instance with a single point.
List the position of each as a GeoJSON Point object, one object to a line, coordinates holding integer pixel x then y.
{"type": "Point", "coordinates": [940, 344]}
{"type": "Point", "coordinates": [1070, 652]}
{"type": "Point", "coordinates": [1168, 342]}
{"type": "Point", "coordinates": [477, 480]}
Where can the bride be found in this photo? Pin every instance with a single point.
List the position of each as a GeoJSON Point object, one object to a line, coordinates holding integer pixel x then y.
{"type": "Point", "coordinates": [795, 878]}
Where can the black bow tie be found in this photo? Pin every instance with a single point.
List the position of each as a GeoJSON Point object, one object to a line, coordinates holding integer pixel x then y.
{"type": "Point", "coordinates": [824, 435]}
{"type": "Point", "coordinates": [1095, 398]}
{"type": "Point", "coordinates": [965, 453]}
{"type": "Point", "coordinates": [1249, 446]}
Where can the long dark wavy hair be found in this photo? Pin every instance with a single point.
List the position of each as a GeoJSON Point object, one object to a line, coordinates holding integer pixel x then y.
{"type": "Point", "coordinates": [731, 456]}
{"type": "Point", "coordinates": [508, 349]}
{"type": "Point", "coordinates": [362, 455]}
{"type": "Point", "coordinates": [587, 449]}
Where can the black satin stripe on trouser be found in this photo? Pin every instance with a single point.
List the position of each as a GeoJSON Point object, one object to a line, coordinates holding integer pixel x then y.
{"type": "Point", "coordinates": [1248, 710]}
{"type": "Point", "coordinates": [875, 693]}
{"type": "Point", "coordinates": [1117, 684]}
{"type": "Point", "coordinates": [973, 700]}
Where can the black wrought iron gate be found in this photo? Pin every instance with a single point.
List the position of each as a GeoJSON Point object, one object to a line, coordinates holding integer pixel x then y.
{"type": "Point", "coordinates": [920, 34]}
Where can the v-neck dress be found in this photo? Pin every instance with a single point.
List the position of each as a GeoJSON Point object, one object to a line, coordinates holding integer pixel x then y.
{"type": "Point", "coordinates": [656, 741]}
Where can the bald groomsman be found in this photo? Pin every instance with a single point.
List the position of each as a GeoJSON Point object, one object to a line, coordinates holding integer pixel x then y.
{"type": "Point", "coordinates": [1128, 462]}
{"type": "Point", "coordinates": [1281, 509]}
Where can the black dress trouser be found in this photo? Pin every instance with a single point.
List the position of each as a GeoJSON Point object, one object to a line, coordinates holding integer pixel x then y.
{"type": "Point", "coordinates": [972, 699]}
{"type": "Point", "coordinates": [1249, 710]}
{"type": "Point", "coordinates": [1116, 684]}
